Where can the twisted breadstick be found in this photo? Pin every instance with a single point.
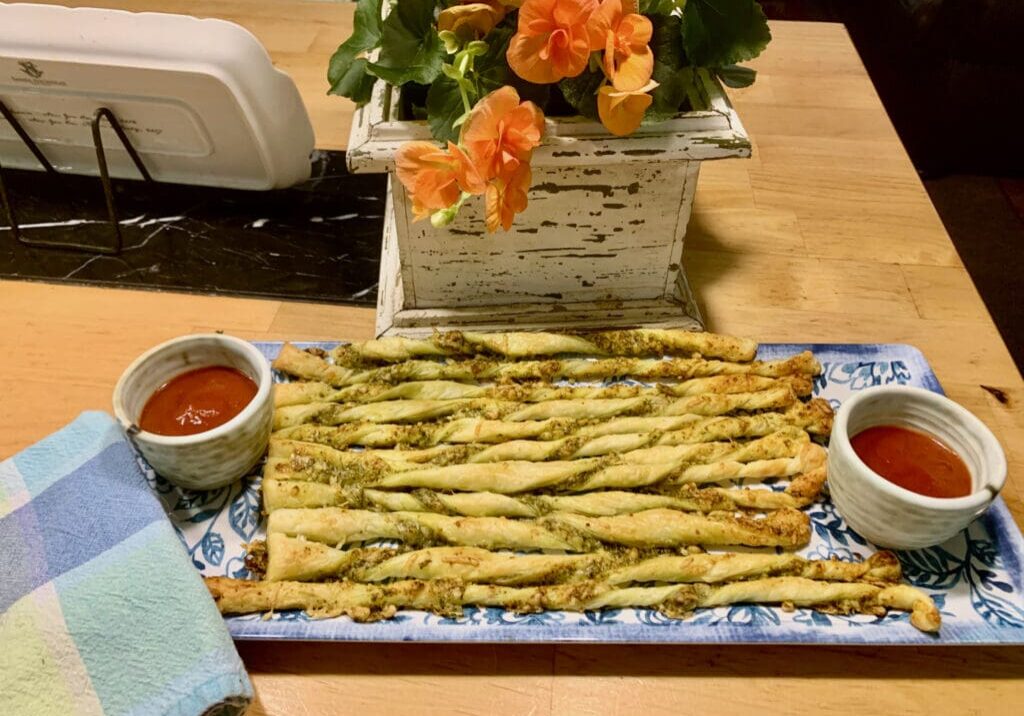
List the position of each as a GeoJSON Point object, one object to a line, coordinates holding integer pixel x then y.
{"type": "Point", "coordinates": [305, 365]}
{"type": "Point", "coordinates": [320, 463]}
{"type": "Point", "coordinates": [557, 531]}
{"type": "Point", "coordinates": [815, 417]}
{"type": "Point", "coordinates": [280, 494]}
{"type": "Point", "coordinates": [637, 342]}
{"type": "Point", "coordinates": [782, 457]}
{"type": "Point", "coordinates": [297, 559]}
{"type": "Point", "coordinates": [408, 411]}
{"type": "Point", "coordinates": [302, 392]}
{"type": "Point", "coordinates": [364, 602]}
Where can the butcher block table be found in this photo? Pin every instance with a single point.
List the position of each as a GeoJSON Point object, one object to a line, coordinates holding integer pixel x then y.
{"type": "Point", "coordinates": [826, 235]}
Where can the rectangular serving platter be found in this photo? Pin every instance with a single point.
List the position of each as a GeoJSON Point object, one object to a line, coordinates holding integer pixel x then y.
{"type": "Point", "coordinates": [975, 578]}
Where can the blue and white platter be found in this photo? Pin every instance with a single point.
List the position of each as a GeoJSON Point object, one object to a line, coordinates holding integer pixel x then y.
{"type": "Point", "coordinates": [975, 578]}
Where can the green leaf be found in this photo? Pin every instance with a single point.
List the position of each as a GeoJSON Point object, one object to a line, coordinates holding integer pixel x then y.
{"type": "Point", "coordinates": [355, 83]}
{"type": "Point", "coordinates": [736, 76]}
{"type": "Point", "coordinates": [723, 32]}
{"type": "Point", "coordinates": [671, 72]}
{"type": "Point", "coordinates": [411, 50]}
{"type": "Point", "coordinates": [444, 106]}
{"type": "Point", "coordinates": [581, 92]}
{"type": "Point", "coordinates": [347, 71]}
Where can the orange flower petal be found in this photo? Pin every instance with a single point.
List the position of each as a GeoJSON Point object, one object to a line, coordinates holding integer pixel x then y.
{"type": "Point", "coordinates": [471, 20]}
{"type": "Point", "coordinates": [553, 40]}
{"type": "Point", "coordinates": [634, 71]}
{"type": "Point", "coordinates": [502, 132]}
{"type": "Point", "coordinates": [604, 18]}
{"type": "Point", "coordinates": [628, 61]}
{"type": "Point", "coordinates": [428, 174]}
{"type": "Point", "coordinates": [635, 30]}
{"type": "Point", "coordinates": [466, 172]}
{"type": "Point", "coordinates": [524, 57]}
{"type": "Point", "coordinates": [622, 112]}
{"type": "Point", "coordinates": [507, 197]}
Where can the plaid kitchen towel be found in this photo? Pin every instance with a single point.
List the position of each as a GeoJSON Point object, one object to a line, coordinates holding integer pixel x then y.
{"type": "Point", "coordinates": [101, 610]}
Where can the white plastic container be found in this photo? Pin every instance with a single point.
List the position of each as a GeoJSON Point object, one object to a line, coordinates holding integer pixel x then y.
{"type": "Point", "coordinates": [199, 99]}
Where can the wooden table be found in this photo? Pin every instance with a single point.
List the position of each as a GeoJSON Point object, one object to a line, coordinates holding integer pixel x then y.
{"type": "Point", "coordinates": [825, 235]}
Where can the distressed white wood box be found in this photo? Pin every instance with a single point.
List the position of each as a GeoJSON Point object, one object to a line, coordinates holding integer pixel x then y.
{"type": "Point", "coordinates": [601, 243]}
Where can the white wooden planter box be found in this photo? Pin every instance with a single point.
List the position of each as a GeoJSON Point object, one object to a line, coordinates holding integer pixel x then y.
{"type": "Point", "coordinates": [600, 244]}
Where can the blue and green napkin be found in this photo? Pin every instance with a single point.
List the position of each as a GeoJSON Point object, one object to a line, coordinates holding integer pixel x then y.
{"type": "Point", "coordinates": [101, 610]}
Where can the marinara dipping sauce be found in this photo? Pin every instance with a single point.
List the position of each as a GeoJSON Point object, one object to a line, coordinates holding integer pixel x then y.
{"type": "Point", "coordinates": [197, 401]}
{"type": "Point", "coordinates": [913, 460]}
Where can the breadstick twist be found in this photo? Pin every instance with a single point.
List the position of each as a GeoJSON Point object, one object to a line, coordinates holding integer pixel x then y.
{"type": "Point", "coordinates": [306, 365]}
{"type": "Point", "coordinates": [636, 342]}
{"type": "Point", "coordinates": [364, 602]}
{"type": "Point", "coordinates": [556, 531]}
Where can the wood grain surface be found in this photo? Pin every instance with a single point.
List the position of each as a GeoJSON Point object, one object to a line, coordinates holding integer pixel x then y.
{"type": "Point", "coordinates": [825, 235]}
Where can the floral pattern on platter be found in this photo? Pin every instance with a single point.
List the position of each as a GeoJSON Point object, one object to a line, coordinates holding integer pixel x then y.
{"type": "Point", "coordinates": [975, 578]}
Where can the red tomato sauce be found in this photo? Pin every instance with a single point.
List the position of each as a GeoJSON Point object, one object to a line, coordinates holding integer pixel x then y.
{"type": "Point", "coordinates": [913, 460]}
{"type": "Point", "coordinates": [197, 401]}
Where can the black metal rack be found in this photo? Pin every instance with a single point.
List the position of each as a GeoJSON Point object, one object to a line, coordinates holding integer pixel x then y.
{"type": "Point", "coordinates": [103, 113]}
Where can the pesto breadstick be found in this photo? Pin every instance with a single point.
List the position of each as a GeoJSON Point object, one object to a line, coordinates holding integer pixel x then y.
{"type": "Point", "coordinates": [559, 531]}
{"type": "Point", "coordinates": [639, 468]}
{"type": "Point", "coordinates": [815, 417]}
{"type": "Point", "coordinates": [406, 411]}
{"type": "Point", "coordinates": [312, 461]}
{"type": "Point", "coordinates": [511, 478]}
{"type": "Point", "coordinates": [364, 602]}
{"type": "Point", "coordinates": [336, 526]}
{"type": "Point", "coordinates": [294, 558]}
{"type": "Point", "coordinates": [636, 342]}
{"type": "Point", "coordinates": [280, 494]}
{"type": "Point", "coordinates": [681, 600]}
{"type": "Point", "coordinates": [302, 392]}
{"type": "Point", "coordinates": [308, 366]}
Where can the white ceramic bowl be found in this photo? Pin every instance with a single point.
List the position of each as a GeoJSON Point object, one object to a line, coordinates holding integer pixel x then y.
{"type": "Point", "coordinates": [889, 515]}
{"type": "Point", "coordinates": [209, 459]}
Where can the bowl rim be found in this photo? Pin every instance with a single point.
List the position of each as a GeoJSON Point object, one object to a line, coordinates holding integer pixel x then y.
{"type": "Point", "coordinates": [264, 386]}
{"type": "Point", "coordinates": [980, 498]}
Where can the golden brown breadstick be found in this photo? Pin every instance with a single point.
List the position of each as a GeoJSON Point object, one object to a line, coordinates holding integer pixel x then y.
{"type": "Point", "coordinates": [405, 411]}
{"type": "Point", "coordinates": [282, 494]}
{"type": "Point", "coordinates": [815, 417]}
{"type": "Point", "coordinates": [364, 602]}
{"type": "Point", "coordinates": [294, 558]}
{"type": "Point", "coordinates": [635, 342]}
{"type": "Point", "coordinates": [320, 463]}
{"type": "Point", "coordinates": [305, 365]}
{"type": "Point", "coordinates": [557, 531]}
{"type": "Point", "coordinates": [303, 392]}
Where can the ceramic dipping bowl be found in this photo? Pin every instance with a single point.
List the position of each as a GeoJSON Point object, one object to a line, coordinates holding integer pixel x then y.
{"type": "Point", "coordinates": [217, 456]}
{"type": "Point", "coordinates": [887, 514]}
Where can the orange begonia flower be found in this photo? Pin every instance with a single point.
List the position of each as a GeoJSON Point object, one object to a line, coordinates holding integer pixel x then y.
{"type": "Point", "coordinates": [467, 173]}
{"type": "Point", "coordinates": [506, 197]}
{"type": "Point", "coordinates": [554, 39]}
{"type": "Point", "coordinates": [622, 112]}
{"type": "Point", "coordinates": [471, 20]}
{"type": "Point", "coordinates": [501, 133]}
{"type": "Point", "coordinates": [628, 60]}
{"type": "Point", "coordinates": [435, 178]}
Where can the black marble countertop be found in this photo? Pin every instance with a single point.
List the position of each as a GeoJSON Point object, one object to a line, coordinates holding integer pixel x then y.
{"type": "Point", "coordinates": [318, 241]}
